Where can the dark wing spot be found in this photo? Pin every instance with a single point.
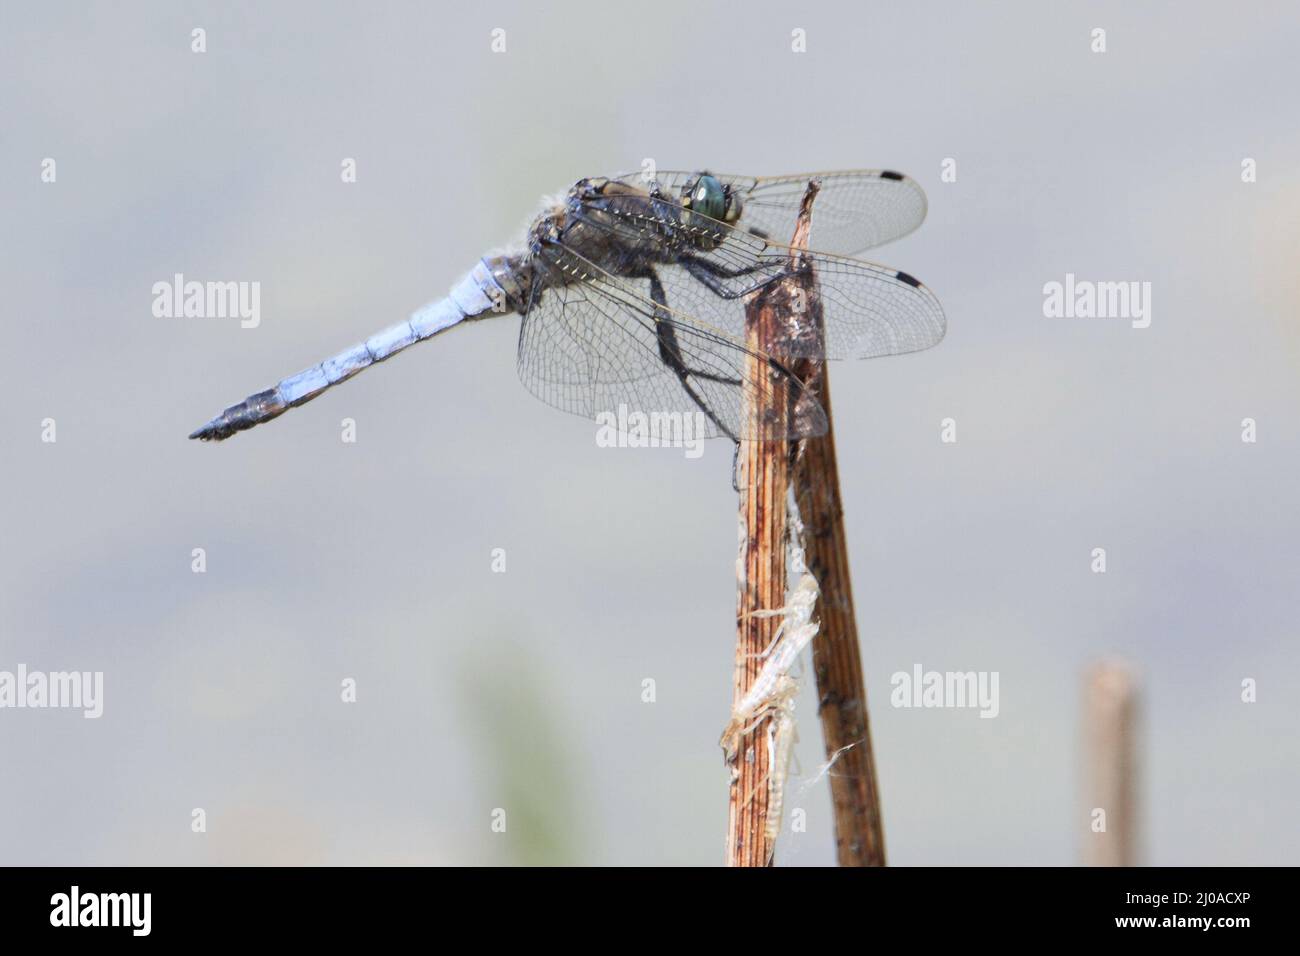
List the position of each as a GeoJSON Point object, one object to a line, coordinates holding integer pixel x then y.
{"type": "Point", "coordinates": [904, 277]}
{"type": "Point", "coordinates": [890, 174]}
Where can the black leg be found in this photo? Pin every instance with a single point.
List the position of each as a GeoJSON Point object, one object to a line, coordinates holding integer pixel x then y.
{"type": "Point", "coordinates": [712, 275]}
{"type": "Point", "coordinates": [670, 353]}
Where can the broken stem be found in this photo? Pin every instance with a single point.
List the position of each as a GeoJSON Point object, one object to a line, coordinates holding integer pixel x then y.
{"type": "Point", "coordinates": [837, 659]}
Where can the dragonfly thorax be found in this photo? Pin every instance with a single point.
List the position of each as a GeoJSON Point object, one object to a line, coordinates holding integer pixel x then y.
{"type": "Point", "coordinates": [547, 228]}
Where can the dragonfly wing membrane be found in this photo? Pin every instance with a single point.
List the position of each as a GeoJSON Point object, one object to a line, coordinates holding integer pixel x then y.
{"type": "Point", "coordinates": [856, 210]}
{"type": "Point", "coordinates": [601, 347]}
{"type": "Point", "coordinates": [869, 310]}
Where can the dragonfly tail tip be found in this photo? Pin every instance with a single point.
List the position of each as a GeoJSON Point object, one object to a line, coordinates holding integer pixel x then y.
{"type": "Point", "coordinates": [209, 432]}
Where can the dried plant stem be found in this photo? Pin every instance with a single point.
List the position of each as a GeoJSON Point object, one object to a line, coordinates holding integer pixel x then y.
{"type": "Point", "coordinates": [1110, 717]}
{"type": "Point", "coordinates": [837, 662]}
{"type": "Point", "coordinates": [810, 466]}
{"type": "Point", "coordinates": [765, 468]}
{"type": "Point", "coordinates": [764, 477]}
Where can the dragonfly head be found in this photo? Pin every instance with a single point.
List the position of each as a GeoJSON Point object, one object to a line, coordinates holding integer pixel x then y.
{"type": "Point", "coordinates": [707, 195]}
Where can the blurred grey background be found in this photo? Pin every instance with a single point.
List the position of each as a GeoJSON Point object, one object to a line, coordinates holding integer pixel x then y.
{"type": "Point", "coordinates": [522, 690]}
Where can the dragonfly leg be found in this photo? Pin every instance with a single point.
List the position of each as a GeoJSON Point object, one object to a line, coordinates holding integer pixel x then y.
{"type": "Point", "coordinates": [670, 353]}
{"type": "Point", "coordinates": [711, 274]}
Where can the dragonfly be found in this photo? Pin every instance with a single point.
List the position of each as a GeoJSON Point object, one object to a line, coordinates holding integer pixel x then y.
{"type": "Point", "coordinates": [632, 290]}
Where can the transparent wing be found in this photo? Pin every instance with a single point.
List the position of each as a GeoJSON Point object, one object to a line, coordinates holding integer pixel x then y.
{"type": "Point", "coordinates": [857, 209]}
{"type": "Point", "coordinates": [596, 345]}
{"type": "Point", "coordinates": [869, 310]}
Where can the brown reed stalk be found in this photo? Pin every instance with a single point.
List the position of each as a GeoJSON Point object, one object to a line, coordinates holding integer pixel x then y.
{"type": "Point", "coordinates": [764, 479]}
{"type": "Point", "coordinates": [1110, 741]}
{"type": "Point", "coordinates": [767, 470]}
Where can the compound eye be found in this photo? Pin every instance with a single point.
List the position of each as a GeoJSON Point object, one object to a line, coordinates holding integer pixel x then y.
{"type": "Point", "coordinates": [709, 198]}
